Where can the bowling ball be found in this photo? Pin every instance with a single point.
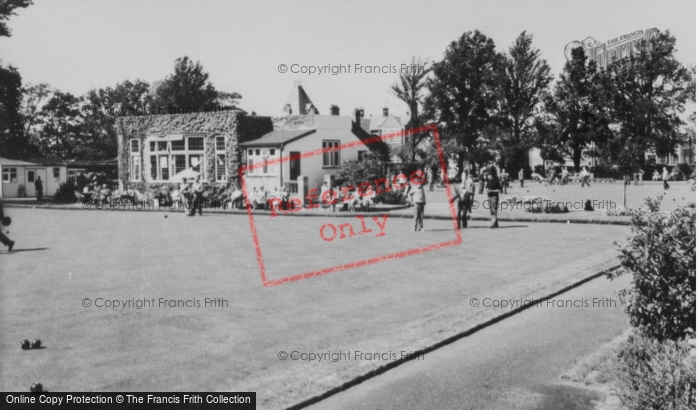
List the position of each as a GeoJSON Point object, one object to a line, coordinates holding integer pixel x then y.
{"type": "Point", "coordinates": [36, 344]}
{"type": "Point", "coordinates": [37, 388]}
{"type": "Point", "coordinates": [6, 221]}
{"type": "Point", "coordinates": [25, 344]}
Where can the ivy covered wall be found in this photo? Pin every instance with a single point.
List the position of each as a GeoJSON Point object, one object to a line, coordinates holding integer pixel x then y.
{"type": "Point", "coordinates": [235, 126]}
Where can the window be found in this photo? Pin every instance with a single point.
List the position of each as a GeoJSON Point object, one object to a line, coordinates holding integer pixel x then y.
{"type": "Point", "coordinates": [179, 163]}
{"type": "Point", "coordinates": [30, 176]}
{"type": "Point", "coordinates": [135, 167]}
{"type": "Point", "coordinates": [154, 168]}
{"type": "Point", "coordinates": [195, 143]}
{"type": "Point", "coordinates": [260, 155]}
{"type": "Point", "coordinates": [177, 145]}
{"type": "Point", "coordinates": [168, 158]}
{"type": "Point", "coordinates": [220, 144]}
{"type": "Point", "coordinates": [196, 163]}
{"type": "Point", "coordinates": [220, 163]}
{"type": "Point", "coordinates": [134, 146]}
{"type": "Point", "coordinates": [220, 167]}
{"type": "Point", "coordinates": [9, 175]}
{"type": "Point", "coordinates": [331, 159]}
{"type": "Point", "coordinates": [163, 167]}
{"type": "Point", "coordinates": [57, 174]}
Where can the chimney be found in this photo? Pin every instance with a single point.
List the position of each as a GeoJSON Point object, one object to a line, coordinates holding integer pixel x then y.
{"type": "Point", "coordinates": [385, 111]}
{"type": "Point", "coordinates": [358, 114]}
{"type": "Point", "coordinates": [335, 110]}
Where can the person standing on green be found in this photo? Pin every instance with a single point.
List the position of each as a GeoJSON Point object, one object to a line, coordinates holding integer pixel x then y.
{"type": "Point", "coordinates": [418, 198]}
{"type": "Point", "coordinates": [39, 186]}
{"type": "Point", "coordinates": [493, 188]}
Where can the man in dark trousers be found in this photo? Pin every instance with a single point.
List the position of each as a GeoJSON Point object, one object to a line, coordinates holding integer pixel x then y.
{"type": "Point", "coordinates": [4, 239]}
{"type": "Point", "coordinates": [39, 186]}
{"type": "Point", "coordinates": [198, 190]}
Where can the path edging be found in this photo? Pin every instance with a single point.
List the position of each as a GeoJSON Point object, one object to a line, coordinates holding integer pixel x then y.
{"type": "Point", "coordinates": [385, 368]}
{"type": "Point", "coordinates": [339, 215]}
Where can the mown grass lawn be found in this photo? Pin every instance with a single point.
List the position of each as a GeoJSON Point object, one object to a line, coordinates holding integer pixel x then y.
{"type": "Point", "coordinates": [63, 257]}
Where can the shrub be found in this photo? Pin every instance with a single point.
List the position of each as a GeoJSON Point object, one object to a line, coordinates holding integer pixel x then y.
{"type": "Point", "coordinates": [65, 194]}
{"type": "Point", "coordinates": [656, 375]}
{"type": "Point", "coordinates": [660, 255]}
{"type": "Point", "coordinates": [391, 198]}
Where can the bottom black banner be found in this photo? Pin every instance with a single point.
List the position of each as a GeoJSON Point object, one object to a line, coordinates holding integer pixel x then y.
{"type": "Point", "coordinates": [44, 400]}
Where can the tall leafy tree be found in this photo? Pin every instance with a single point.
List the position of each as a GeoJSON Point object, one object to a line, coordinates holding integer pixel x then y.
{"type": "Point", "coordinates": [410, 89]}
{"type": "Point", "coordinates": [7, 9]}
{"type": "Point", "coordinates": [61, 123]}
{"type": "Point", "coordinates": [522, 86]}
{"type": "Point", "coordinates": [12, 144]}
{"type": "Point", "coordinates": [462, 96]}
{"type": "Point", "coordinates": [461, 91]}
{"type": "Point", "coordinates": [33, 96]}
{"type": "Point", "coordinates": [574, 117]}
{"type": "Point", "coordinates": [645, 94]}
{"type": "Point", "coordinates": [189, 88]}
{"type": "Point", "coordinates": [101, 107]}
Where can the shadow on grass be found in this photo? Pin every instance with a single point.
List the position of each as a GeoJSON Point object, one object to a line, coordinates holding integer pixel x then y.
{"type": "Point", "coordinates": [500, 227]}
{"type": "Point", "coordinates": [25, 250]}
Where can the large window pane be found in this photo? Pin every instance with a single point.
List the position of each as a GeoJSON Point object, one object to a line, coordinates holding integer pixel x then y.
{"type": "Point", "coordinates": [154, 168]}
{"type": "Point", "coordinates": [179, 163]}
{"type": "Point", "coordinates": [196, 163]}
{"type": "Point", "coordinates": [164, 170]}
{"type": "Point", "coordinates": [177, 145]}
{"type": "Point", "coordinates": [220, 144]}
{"type": "Point", "coordinates": [195, 143]}
{"type": "Point", "coordinates": [220, 167]}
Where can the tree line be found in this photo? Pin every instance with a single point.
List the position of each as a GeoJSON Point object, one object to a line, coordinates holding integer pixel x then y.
{"type": "Point", "coordinates": [492, 105]}
{"type": "Point", "coordinates": [39, 121]}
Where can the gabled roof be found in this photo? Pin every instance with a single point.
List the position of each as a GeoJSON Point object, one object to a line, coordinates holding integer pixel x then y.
{"type": "Point", "coordinates": [277, 138]}
{"type": "Point", "coordinates": [390, 122]}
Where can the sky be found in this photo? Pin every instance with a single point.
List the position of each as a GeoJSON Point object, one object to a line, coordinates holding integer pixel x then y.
{"type": "Point", "coordinates": [78, 45]}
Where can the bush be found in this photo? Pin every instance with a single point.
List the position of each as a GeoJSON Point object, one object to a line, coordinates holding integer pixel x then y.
{"type": "Point", "coordinates": [656, 375]}
{"type": "Point", "coordinates": [660, 254]}
{"type": "Point", "coordinates": [391, 198]}
{"type": "Point", "coordinates": [65, 194]}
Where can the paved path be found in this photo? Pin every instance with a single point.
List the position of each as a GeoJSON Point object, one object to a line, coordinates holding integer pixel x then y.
{"type": "Point", "coordinates": [514, 364]}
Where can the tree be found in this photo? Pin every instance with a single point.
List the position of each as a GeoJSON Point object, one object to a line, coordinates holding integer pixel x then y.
{"type": "Point", "coordinates": [461, 92]}
{"type": "Point", "coordinates": [7, 9]}
{"type": "Point", "coordinates": [101, 108]}
{"type": "Point", "coordinates": [189, 88]}
{"type": "Point", "coordinates": [409, 89]}
{"type": "Point", "coordinates": [61, 126]}
{"type": "Point", "coordinates": [574, 117]}
{"type": "Point", "coordinates": [522, 86]}
{"type": "Point", "coordinates": [645, 93]}
{"type": "Point", "coordinates": [32, 98]}
{"type": "Point", "coordinates": [370, 168]}
{"type": "Point", "coordinates": [11, 142]}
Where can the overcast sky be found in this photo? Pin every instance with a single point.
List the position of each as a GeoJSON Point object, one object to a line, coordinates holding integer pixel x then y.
{"type": "Point", "coordinates": [79, 45]}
